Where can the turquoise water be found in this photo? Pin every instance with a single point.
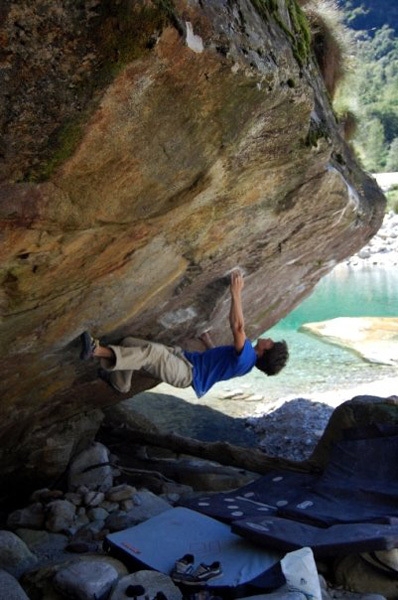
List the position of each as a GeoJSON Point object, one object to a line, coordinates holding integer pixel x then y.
{"type": "Point", "coordinates": [316, 366]}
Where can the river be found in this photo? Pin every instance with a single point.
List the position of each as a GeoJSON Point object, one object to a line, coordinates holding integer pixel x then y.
{"type": "Point", "coordinates": [316, 370]}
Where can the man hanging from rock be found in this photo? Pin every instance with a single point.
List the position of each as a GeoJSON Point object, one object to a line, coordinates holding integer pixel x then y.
{"type": "Point", "coordinates": [182, 369]}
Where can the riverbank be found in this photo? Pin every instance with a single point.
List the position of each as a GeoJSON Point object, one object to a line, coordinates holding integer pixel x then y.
{"type": "Point", "coordinates": [382, 249]}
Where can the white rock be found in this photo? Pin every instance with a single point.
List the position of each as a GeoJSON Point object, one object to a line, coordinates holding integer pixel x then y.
{"type": "Point", "coordinates": [94, 498]}
{"type": "Point", "coordinates": [91, 469]}
{"type": "Point", "coordinates": [15, 556]}
{"type": "Point", "coordinates": [60, 516]}
{"type": "Point", "coordinates": [97, 514]}
{"type": "Point", "coordinates": [74, 497]}
{"type": "Point", "coordinates": [151, 581]}
{"type": "Point", "coordinates": [120, 492]}
{"type": "Point", "coordinates": [10, 588]}
{"type": "Point", "coordinates": [86, 580]}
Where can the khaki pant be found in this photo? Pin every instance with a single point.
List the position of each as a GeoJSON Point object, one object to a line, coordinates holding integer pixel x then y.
{"type": "Point", "coordinates": [162, 362]}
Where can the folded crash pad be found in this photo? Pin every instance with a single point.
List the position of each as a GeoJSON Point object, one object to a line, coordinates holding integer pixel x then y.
{"type": "Point", "coordinates": [261, 497]}
{"type": "Point", "coordinates": [287, 535]}
{"type": "Point", "coordinates": [359, 484]}
{"type": "Point", "coordinates": [287, 510]}
{"type": "Point", "coordinates": [158, 542]}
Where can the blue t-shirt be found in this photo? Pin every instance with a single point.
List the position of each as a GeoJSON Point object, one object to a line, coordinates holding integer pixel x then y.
{"type": "Point", "coordinates": [219, 364]}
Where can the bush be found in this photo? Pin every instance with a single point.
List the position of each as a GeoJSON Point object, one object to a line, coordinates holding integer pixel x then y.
{"type": "Point", "coordinates": [330, 40]}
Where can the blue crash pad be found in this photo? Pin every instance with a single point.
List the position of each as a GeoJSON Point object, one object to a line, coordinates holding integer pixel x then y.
{"type": "Point", "coordinates": [358, 489]}
{"type": "Point", "coordinates": [158, 542]}
{"type": "Point", "coordinates": [287, 535]}
{"type": "Point", "coordinates": [360, 484]}
{"type": "Point", "coordinates": [262, 497]}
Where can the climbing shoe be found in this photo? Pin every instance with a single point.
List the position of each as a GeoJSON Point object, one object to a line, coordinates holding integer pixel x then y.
{"type": "Point", "coordinates": [89, 344]}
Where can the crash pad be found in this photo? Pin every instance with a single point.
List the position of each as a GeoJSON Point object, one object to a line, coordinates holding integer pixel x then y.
{"type": "Point", "coordinates": [263, 496]}
{"type": "Point", "coordinates": [287, 535]}
{"type": "Point", "coordinates": [359, 484]}
{"type": "Point", "coordinates": [287, 510]}
{"type": "Point", "coordinates": [158, 542]}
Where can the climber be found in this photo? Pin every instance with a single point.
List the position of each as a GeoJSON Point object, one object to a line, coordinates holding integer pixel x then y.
{"type": "Point", "coordinates": [182, 369]}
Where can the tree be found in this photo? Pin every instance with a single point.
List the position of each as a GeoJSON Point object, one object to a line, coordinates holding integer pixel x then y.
{"type": "Point", "coordinates": [392, 157]}
{"type": "Point", "coordinates": [371, 145]}
{"type": "Point", "coordinates": [371, 93]}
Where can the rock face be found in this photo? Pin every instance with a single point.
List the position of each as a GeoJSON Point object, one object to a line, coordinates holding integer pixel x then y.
{"type": "Point", "coordinates": [147, 150]}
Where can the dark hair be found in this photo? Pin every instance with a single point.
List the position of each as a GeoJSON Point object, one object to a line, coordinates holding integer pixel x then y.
{"type": "Point", "coordinates": [273, 360]}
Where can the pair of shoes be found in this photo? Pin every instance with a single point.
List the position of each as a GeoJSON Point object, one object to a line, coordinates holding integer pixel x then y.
{"type": "Point", "coordinates": [89, 345]}
{"type": "Point", "coordinates": [183, 571]}
{"type": "Point", "coordinates": [203, 573]}
{"type": "Point", "coordinates": [182, 568]}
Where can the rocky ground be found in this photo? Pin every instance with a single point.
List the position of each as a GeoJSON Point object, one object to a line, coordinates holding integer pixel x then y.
{"type": "Point", "coordinates": [55, 546]}
{"type": "Point", "coordinates": [382, 250]}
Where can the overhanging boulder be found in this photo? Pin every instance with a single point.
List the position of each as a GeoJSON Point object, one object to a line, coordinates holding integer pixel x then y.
{"type": "Point", "coordinates": [170, 144]}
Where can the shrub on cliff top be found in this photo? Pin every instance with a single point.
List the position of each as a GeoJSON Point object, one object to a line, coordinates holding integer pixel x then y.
{"type": "Point", "coordinates": [330, 40]}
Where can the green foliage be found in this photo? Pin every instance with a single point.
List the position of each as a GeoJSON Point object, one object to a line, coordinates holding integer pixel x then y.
{"type": "Point", "coordinates": [392, 199]}
{"type": "Point", "coordinates": [371, 92]}
{"type": "Point", "coordinates": [299, 34]}
{"type": "Point", "coordinates": [392, 157]}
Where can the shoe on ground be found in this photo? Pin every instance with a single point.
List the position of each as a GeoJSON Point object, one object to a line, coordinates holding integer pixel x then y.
{"type": "Point", "coordinates": [89, 344]}
{"type": "Point", "coordinates": [183, 567]}
{"type": "Point", "coordinates": [203, 573]}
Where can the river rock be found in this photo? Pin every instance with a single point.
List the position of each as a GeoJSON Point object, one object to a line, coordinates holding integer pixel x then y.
{"type": "Point", "coordinates": [15, 556]}
{"type": "Point", "coordinates": [31, 517]}
{"type": "Point", "coordinates": [10, 588]}
{"type": "Point", "coordinates": [44, 544]}
{"type": "Point", "coordinates": [88, 580]}
{"type": "Point", "coordinates": [382, 249]}
{"type": "Point", "coordinates": [120, 492]}
{"type": "Point", "coordinates": [38, 583]}
{"type": "Point", "coordinates": [46, 495]}
{"type": "Point", "coordinates": [97, 513]}
{"type": "Point", "coordinates": [147, 505]}
{"type": "Point", "coordinates": [152, 581]}
{"type": "Point", "coordinates": [75, 498]}
{"type": "Point", "coordinates": [335, 593]}
{"type": "Point", "coordinates": [91, 469]}
{"type": "Point", "coordinates": [291, 429]}
{"type": "Point", "coordinates": [354, 574]}
{"type": "Point", "coordinates": [119, 520]}
{"type": "Point", "coordinates": [60, 515]}
{"type": "Point", "coordinates": [94, 498]}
